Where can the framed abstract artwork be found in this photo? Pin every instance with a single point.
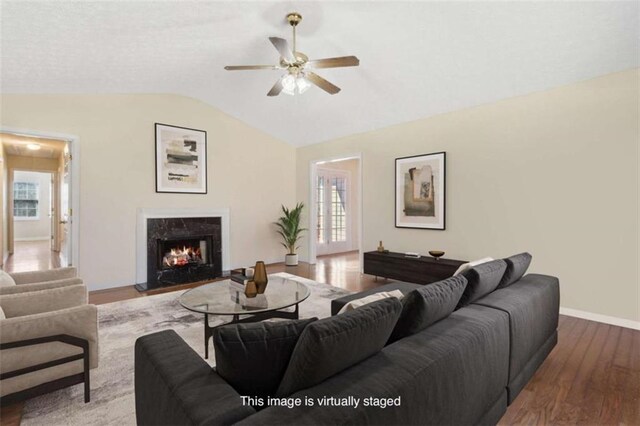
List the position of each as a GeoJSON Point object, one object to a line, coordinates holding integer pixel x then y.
{"type": "Point", "coordinates": [420, 191]}
{"type": "Point", "coordinates": [181, 160]}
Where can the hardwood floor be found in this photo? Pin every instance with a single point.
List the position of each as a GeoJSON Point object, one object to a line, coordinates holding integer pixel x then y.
{"type": "Point", "coordinates": [592, 377]}
{"type": "Point", "coordinates": [32, 256]}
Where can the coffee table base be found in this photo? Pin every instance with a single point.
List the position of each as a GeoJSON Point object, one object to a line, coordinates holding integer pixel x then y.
{"type": "Point", "coordinates": [208, 330]}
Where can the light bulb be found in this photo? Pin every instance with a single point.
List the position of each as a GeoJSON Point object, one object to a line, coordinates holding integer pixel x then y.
{"type": "Point", "coordinates": [289, 85]}
{"type": "Point", "coordinates": [303, 84]}
{"type": "Point", "coordinates": [33, 146]}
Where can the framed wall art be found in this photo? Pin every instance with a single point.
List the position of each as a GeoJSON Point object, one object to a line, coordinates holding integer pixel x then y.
{"type": "Point", "coordinates": [420, 191]}
{"type": "Point", "coordinates": [181, 160]}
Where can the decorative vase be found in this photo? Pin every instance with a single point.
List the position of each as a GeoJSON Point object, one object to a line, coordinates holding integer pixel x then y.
{"type": "Point", "coordinates": [260, 277]}
{"type": "Point", "coordinates": [250, 289]}
{"type": "Point", "coordinates": [380, 248]}
{"type": "Point", "coordinates": [291, 260]}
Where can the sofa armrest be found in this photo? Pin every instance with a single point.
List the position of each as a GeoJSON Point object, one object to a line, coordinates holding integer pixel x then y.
{"type": "Point", "coordinates": [35, 302]}
{"type": "Point", "coordinates": [79, 321]}
{"type": "Point", "coordinates": [175, 386]}
{"type": "Point", "coordinates": [42, 276]}
{"type": "Point", "coordinates": [24, 288]}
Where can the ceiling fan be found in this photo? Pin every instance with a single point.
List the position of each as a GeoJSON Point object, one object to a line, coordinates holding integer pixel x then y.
{"type": "Point", "coordinates": [299, 76]}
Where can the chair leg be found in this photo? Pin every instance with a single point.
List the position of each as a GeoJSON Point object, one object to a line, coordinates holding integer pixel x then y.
{"type": "Point", "coordinates": [87, 377]}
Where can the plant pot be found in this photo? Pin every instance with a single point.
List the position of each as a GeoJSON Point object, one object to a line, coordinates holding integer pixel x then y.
{"type": "Point", "coordinates": [291, 260]}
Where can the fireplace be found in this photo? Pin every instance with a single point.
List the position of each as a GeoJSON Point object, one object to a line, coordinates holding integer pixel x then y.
{"type": "Point", "coordinates": [182, 250]}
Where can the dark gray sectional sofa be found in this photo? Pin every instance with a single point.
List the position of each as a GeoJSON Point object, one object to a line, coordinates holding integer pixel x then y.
{"type": "Point", "coordinates": [463, 369]}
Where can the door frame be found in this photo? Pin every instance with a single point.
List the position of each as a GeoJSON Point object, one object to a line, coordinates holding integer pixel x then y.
{"type": "Point", "coordinates": [313, 220]}
{"type": "Point", "coordinates": [73, 142]}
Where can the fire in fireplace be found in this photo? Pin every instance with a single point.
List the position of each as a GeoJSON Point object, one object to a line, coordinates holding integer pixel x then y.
{"type": "Point", "coordinates": [182, 253]}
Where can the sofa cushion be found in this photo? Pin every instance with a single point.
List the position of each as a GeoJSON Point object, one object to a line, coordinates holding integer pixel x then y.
{"type": "Point", "coordinates": [338, 304]}
{"type": "Point", "coordinates": [6, 279]}
{"type": "Point", "coordinates": [253, 357]}
{"type": "Point", "coordinates": [517, 265]}
{"type": "Point", "coordinates": [331, 345]}
{"type": "Point", "coordinates": [354, 304]}
{"type": "Point", "coordinates": [482, 280]}
{"type": "Point", "coordinates": [428, 304]}
{"type": "Point", "coordinates": [533, 305]}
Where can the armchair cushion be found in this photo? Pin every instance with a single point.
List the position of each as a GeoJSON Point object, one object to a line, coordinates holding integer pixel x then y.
{"type": "Point", "coordinates": [35, 302]}
{"type": "Point", "coordinates": [42, 276]}
{"type": "Point", "coordinates": [6, 280]}
{"type": "Point", "coordinates": [79, 321]}
{"type": "Point", "coordinates": [24, 288]}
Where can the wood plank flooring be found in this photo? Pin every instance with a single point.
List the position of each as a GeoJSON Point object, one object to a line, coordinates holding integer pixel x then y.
{"type": "Point", "coordinates": [592, 377]}
{"type": "Point", "coordinates": [32, 256]}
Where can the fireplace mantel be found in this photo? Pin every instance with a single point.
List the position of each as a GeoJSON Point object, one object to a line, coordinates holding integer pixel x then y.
{"type": "Point", "coordinates": [141, 233]}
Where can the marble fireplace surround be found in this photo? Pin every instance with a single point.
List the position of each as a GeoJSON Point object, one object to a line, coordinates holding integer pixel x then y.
{"type": "Point", "coordinates": [141, 233]}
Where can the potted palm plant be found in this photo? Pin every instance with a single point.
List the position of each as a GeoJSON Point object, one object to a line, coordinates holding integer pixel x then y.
{"type": "Point", "coordinates": [289, 228]}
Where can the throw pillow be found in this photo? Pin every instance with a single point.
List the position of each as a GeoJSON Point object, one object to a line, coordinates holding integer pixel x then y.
{"type": "Point", "coordinates": [424, 306]}
{"type": "Point", "coordinates": [467, 266]}
{"type": "Point", "coordinates": [6, 279]}
{"type": "Point", "coordinates": [371, 298]}
{"type": "Point", "coordinates": [331, 345]}
{"type": "Point", "coordinates": [482, 280]}
{"type": "Point", "coordinates": [517, 265]}
{"type": "Point", "coordinates": [253, 357]}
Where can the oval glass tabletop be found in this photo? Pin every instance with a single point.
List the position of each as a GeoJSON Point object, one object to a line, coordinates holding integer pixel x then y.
{"type": "Point", "coordinates": [227, 298]}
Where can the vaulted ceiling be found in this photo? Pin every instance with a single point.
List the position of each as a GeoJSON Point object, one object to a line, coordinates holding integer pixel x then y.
{"type": "Point", "coordinates": [417, 59]}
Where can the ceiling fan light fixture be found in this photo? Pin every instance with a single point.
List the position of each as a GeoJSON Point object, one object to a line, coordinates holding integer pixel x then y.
{"type": "Point", "coordinates": [303, 84]}
{"type": "Point", "coordinates": [289, 85]}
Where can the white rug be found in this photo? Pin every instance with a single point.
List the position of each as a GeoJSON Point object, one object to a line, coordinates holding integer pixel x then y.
{"type": "Point", "coordinates": [120, 324]}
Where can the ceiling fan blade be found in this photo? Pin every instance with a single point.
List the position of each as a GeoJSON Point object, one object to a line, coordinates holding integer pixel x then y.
{"type": "Point", "coordinates": [251, 67]}
{"type": "Point", "coordinates": [283, 48]}
{"type": "Point", "coordinates": [276, 89]}
{"type": "Point", "coordinates": [342, 61]}
{"type": "Point", "coordinates": [314, 78]}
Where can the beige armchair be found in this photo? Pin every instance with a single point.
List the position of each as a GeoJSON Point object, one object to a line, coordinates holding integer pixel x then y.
{"type": "Point", "coordinates": [41, 280]}
{"type": "Point", "coordinates": [48, 341]}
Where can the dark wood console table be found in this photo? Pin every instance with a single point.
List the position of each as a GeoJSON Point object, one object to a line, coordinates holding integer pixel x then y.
{"type": "Point", "coordinates": [397, 266]}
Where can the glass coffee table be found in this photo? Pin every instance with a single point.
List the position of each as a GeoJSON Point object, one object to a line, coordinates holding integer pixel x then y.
{"type": "Point", "coordinates": [225, 298]}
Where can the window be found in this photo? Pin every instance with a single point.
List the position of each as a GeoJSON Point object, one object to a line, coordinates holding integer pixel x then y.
{"type": "Point", "coordinates": [25, 200]}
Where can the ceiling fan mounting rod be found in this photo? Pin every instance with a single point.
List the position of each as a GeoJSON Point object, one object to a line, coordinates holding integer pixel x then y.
{"type": "Point", "coordinates": [294, 19]}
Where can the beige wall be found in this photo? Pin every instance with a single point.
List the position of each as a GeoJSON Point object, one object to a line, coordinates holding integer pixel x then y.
{"type": "Point", "coordinates": [553, 173]}
{"type": "Point", "coordinates": [40, 229]}
{"type": "Point", "coordinates": [248, 172]}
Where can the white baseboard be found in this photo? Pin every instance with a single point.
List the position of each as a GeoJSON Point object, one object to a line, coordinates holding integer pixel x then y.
{"type": "Point", "coordinates": [620, 322]}
{"type": "Point", "coordinates": [33, 239]}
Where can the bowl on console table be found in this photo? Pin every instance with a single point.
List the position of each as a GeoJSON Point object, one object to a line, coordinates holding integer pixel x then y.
{"type": "Point", "coordinates": [436, 253]}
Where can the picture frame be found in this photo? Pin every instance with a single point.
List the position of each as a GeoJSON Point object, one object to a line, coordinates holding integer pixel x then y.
{"type": "Point", "coordinates": [420, 192]}
{"type": "Point", "coordinates": [181, 159]}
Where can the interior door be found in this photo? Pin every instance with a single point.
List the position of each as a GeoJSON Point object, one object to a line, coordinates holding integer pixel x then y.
{"type": "Point", "coordinates": [332, 210]}
{"type": "Point", "coordinates": [64, 232]}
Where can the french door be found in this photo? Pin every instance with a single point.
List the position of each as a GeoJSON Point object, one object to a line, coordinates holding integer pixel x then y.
{"type": "Point", "coordinates": [332, 212]}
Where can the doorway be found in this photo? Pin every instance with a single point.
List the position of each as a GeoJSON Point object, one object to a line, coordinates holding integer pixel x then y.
{"type": "Point", "coordinates": [36, 204]}
{"type": "Point", "coordinates": [335, 206]}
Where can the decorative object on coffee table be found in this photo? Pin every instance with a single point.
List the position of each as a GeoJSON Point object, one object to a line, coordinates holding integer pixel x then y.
{"type": "Point", "coordinates": [420, 191]}
{"type": "Point", "coordinates": [436, 253]}
{"type": "Point", "coordinates": [260, 277]}
{"type": "Point", "coordinates": [250, 289]}
{"type": "Point", "coordinates": [291, 232]}
{"type": "Point", "coordinates": [181, 160]}
{"type": "Point", "coordinates": [223, 298]}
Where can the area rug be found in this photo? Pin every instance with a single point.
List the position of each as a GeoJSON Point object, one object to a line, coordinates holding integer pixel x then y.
{"type": "Point", "coordinates": [120, 324]}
